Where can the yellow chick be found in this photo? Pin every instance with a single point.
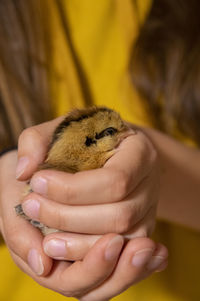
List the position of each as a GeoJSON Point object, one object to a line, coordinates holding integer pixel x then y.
{"type": "Point", "coordinates": [84, 140]}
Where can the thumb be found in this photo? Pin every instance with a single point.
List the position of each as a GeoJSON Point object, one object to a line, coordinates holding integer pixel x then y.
{"type": "Point", "coordinates": [32, 147]}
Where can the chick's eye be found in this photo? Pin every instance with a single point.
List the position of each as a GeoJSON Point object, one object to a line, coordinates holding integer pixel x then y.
{"type": "Point", "coordinates": [110, 131]}
{"type": "Point", "coordinates": [107, 132]}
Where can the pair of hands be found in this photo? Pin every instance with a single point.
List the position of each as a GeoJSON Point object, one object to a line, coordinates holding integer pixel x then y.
{"type": "Point", "coordinates": [92, 206]}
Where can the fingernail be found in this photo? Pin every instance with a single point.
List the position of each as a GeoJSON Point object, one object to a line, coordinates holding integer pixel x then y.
{"type": "Point", "coordinates": [21, 166]}
{"type": "Point", "coordinates": [35, 262]}
{"type": "Point", "coordinates": [39, 185]}
{"type": "Point", "coordinates": [155, 262]}
{"type": "Point", "coordinates": [114, 247]}
{"type": "Point", "coordinates": [142, 257]}
{"type": "Point", "coordinates": [162, 267]}
{"type": "Point", "coordinates": [56, 248]}
{"type": "Point", "coordinates": [31, 208]}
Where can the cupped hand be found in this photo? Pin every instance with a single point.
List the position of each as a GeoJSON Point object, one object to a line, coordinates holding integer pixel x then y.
{"type": "Point", "coordinates": [104, 272]}
{"type": "Point", "coordinates": [23, 240]}
{"type": "Point", "coordinates": [121, 197]}
{"type": "Point", "coordinates": [104, 269]}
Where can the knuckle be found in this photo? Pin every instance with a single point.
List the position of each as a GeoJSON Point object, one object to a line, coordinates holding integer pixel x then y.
{"type": "Point", "coordinates": [12, 239]}
{"type": "Point", "coordinates": [53, 217]}
{"type": "Point", "coordinates": [31, 133]}
{"type": "Point", "coordinates": [119, 185]}
{"type": "Point", "coordinates": [23, 134]}
{"type": "Point", "coordinates": [148, 151]}
{"type": "Point", "coordinates": [123, 220]}
{"type": "Point", "coordinates": [59, 219]}
{"type": "Point", "coordinates": [69, 193]}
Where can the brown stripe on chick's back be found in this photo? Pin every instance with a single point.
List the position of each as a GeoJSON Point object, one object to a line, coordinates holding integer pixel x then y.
{"type": "Point", "coordinates": [75, 116]}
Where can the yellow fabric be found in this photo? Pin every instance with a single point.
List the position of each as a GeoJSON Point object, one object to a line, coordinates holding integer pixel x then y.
{"type": "Point", "coordinates": [96, 51]}
{"type": "Point", "coordinates": [102, 33]}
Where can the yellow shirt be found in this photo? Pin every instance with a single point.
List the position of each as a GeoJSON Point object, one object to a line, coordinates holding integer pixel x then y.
{"type": "Point", "coordinates": [89, 65]}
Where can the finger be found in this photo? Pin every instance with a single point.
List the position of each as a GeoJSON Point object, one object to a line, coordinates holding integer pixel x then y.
{"type": "Point", "coordinates": [117, 217]}
{"type": "Point", "coordinates": [131, 268]}
{"type": "Point", "coordinates": [26, 242]}
{"type": "Point", "coordinates": [57, 265]}
{"type": "Point", "coordinates": [119, 176]}
{"type": "Point", "coordinates": [68, 246]}
{"type": "Point", "coordinates": [84, 275]}
{"type": "Point", "coordinates": [162, 267]}
{"type": "Point", "coordinates": [72, 246]}
{"type": "Point", "coordinates": [20, 237]}
{"type": "Point", "coordinates": [113, 285]}
{"type": "Point", "coordinates": [157, 263]}
{"type": "Point", "coordinates": [32, 147]}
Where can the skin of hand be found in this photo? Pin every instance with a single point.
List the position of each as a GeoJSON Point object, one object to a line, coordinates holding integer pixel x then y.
{"type": "Point", "coordinates": [104, 269]}
{"type": "Point", "coordinates": [121, 197]}
{"type": "Point", "coordinates": [140, 256]}
{"type": "Point", "coordinates": [84, 140]}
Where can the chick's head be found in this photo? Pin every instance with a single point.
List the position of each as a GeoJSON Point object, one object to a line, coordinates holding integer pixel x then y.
{"type": "Point", "coordinates": [85, 139]}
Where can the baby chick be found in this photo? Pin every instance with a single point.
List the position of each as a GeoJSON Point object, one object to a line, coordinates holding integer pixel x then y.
{"type": "Point", "coordinates": [84, 140]}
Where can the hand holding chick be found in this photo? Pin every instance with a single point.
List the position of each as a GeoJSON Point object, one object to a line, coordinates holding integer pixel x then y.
{"type": "Point", "coordinates": [122, 196]}
{"type": "Point", "coordinates": [127, 184]}
{"type": "Point", "coordinates": [84, 140]}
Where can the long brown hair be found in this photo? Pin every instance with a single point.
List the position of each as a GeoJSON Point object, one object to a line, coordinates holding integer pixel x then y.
{"type": "Point", "coordinates": [165, 66]}
{"type": "Point", "coordinates": [23, 55]}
